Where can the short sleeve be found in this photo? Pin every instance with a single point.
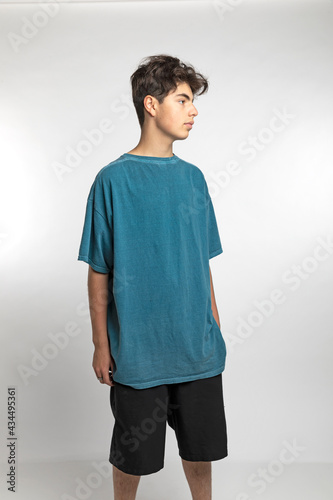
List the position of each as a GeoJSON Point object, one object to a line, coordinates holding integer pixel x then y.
{"type": "Point", "coordinates": [214, 242]}
{"type": "Point", "coordinates": [96, 247]}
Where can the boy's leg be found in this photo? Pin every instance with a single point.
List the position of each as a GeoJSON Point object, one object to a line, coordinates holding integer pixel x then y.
{"type": "Point", "coordinates": [124, 485]}
{"type": "Point", "coordinates": [199, 478]}
{"type": "Point", "coordinates": [138, 437]}
{"type": "Point", "coordinates": [200, 427]}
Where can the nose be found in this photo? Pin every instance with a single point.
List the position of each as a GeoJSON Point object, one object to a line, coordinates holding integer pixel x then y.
{"type": "Point", "coordinates": [194, 111]}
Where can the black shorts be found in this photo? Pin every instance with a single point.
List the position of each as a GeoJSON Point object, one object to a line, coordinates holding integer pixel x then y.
{"type": "Point", "coordinates": [194, 410]}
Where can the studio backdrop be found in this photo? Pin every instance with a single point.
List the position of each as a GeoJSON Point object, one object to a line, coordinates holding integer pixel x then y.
{"type": "Point", "coordinates": [262, 138]}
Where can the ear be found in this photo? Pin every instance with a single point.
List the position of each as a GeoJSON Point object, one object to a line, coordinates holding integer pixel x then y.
{"type": "Point", "coordinates": [149, 104]}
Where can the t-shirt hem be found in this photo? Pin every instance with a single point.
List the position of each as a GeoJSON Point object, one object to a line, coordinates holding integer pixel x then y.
{"type": "Point", "coordinates": [215, 252]}
{"type": "Point", "coordinates": [177, 380]}
{"type": "Point", "coordinates": [97, 268]}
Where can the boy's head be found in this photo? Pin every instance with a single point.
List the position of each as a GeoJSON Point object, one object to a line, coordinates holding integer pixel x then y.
{"type": "Point", "coordinates": [161, 75]}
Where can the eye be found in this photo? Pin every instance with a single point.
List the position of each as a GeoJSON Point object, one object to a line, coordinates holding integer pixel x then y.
{"type": "Point", "coordinates": [182, 100]}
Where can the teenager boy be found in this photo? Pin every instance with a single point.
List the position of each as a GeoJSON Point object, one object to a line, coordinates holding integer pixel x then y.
{"type": "Point", "coordinates": [148, 235]}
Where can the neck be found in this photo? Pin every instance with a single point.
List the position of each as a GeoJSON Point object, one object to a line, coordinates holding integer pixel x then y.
{"type": "Point", "coordinates": [153, 143]}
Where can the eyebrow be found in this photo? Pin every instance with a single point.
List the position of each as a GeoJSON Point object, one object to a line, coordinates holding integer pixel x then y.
{"type": "Point", "coordinates": [186, 96]}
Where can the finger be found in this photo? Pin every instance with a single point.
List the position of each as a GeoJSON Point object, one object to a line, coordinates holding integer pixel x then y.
{"type": "Point", "coordinates": [111, 377]}
{"type": "Point", "coordinates": [106, 377]}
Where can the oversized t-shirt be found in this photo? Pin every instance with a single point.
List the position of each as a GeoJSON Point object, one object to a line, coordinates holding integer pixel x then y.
{"type": "Point", "coordinates": [150, 224]}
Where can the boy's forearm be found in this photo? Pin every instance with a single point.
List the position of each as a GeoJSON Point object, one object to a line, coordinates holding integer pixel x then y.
{"type": "Point", "coordinates": [98, 301]}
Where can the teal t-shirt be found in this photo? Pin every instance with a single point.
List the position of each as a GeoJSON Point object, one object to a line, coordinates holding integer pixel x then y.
{"type": "Point", "coordinates": [150, 224]}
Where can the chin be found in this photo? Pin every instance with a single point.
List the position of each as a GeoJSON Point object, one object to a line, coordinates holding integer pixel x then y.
{"type": "Point", "coordinates": [181, 137]}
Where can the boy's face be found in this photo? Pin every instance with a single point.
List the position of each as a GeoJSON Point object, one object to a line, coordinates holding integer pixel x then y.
{"type": "Point", "coordinates": [176, 111]}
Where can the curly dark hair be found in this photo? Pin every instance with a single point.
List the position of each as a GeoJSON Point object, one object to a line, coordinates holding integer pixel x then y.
{"type": "Point", "coordinates": [159, 75]}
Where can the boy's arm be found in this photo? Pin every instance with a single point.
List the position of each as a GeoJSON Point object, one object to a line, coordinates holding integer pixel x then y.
{"type": "Point", "coordinates": [214, 307]}
{"type": "Point", "coordinates": [98, 302]}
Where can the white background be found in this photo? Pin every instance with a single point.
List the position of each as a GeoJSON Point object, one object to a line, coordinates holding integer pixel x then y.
{"type": "Point", "coordinates": [274, 211]}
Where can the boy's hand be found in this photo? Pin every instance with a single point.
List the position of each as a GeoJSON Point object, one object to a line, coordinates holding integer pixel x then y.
{"type": "Point", "coordinates": [102, 363]}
